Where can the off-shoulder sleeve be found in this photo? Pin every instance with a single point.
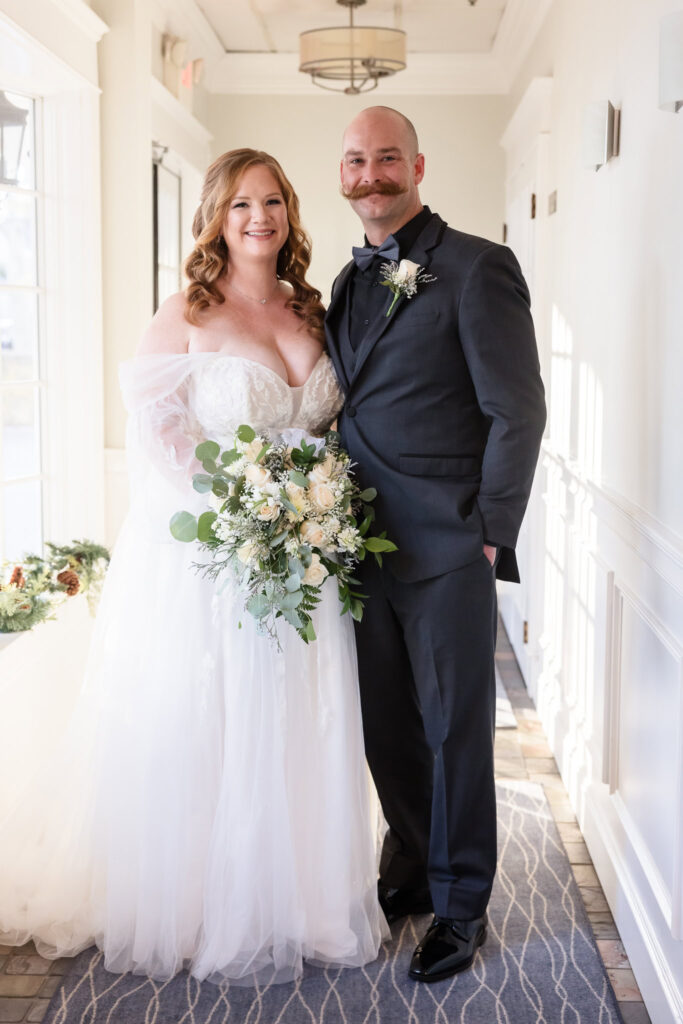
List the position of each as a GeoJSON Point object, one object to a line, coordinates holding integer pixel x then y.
{"type": "Point", "coordinates": [162, 431]}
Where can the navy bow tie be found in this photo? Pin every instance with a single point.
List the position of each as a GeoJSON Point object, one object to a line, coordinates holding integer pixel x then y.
{"type": "Point", "coordinates": [364, 255]}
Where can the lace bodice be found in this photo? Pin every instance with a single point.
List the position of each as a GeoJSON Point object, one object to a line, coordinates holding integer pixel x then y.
{"type": "Point", "coordinates": [227, 390]}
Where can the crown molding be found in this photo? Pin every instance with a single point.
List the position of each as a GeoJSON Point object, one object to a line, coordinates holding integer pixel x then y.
{"type": "Point", "coordinates": [426, 74]}
{"type": "Point", "coordinates": [83, 17]}
{"type": "Point", "coordinates": [519, 26]}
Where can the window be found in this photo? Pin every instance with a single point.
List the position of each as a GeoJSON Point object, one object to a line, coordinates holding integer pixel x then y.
{"type": "Point", "coordinates": [166, 233]}
{"type": "Point", "coordinates": [21, 381]}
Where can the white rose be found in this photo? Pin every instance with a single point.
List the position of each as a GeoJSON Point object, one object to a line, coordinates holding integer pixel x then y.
{"type": "Point", "coordinates": [316, 572]}
{"type": "Point", "coordinates": [252, 450]}
{"type": "Point", "coordinates": [247, 552]}
{"type": "Point", "coordinates": [257, 475]}
{"type": "Point", "coordinates": [406, 269]}
{"type": "Point", "coordinates": [321, 473]}
{"type": "Point", "coordinates": [312, 533]}
{"type": "Point", "coordinates": [269, 512]}
{"type": "Point", "coordinates": [322, 497]}
{"type": "Point", "coordinates": [297, 496]}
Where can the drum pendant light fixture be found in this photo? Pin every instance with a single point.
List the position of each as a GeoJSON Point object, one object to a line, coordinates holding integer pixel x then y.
{"type": "Point", "coordinates": [356, 55]}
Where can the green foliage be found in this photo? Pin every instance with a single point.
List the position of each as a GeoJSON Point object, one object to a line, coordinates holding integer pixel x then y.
{"type": "Point", "coordinates": [31, 590]}
{"type": "Point", "coordinates": [184, 527]}
{"type": "Point", "coordinates": [257, 533]}
{"type": "Point", "coordinates": [245, 433]}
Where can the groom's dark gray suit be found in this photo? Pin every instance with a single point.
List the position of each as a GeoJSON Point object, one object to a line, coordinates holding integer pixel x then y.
{"type": "Point", "coordinates": [444, 415]}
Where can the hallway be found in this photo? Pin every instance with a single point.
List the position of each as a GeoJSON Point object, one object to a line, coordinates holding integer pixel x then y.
{"type": "Point", "coordinates": [28, 981]}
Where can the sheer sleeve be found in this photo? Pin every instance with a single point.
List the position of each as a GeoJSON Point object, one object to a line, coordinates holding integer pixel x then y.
{"type": "Point", "coordinates": [162, 431]}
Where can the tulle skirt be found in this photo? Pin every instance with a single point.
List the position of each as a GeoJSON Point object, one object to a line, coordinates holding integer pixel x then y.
{"type": "Point", "coordinates": [208, 804]}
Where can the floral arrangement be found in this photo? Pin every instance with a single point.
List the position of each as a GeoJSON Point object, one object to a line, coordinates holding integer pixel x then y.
{"type": "Point", "coordinates": [402, 280]}
{"type": "Point", "coordinates": [30, 591]}
{"type": "Point", "coordinates": [281, 520]}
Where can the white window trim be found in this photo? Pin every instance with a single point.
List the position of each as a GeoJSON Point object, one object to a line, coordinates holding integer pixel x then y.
{"type": "Point", "coordinates": [69, 239]}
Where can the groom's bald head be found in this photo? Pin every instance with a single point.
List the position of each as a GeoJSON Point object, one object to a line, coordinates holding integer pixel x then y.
{"type": "Point", "coordinates": [383, 119]}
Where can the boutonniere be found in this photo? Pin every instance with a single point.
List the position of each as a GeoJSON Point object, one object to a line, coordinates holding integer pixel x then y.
{"type": "Point", "coordinates": [402, 279]}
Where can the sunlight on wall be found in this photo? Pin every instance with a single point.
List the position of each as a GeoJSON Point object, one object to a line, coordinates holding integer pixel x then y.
{"type": "Point", "coordinates": [589, 427]}
{"type": "Point", "coordinates": [560, 404]}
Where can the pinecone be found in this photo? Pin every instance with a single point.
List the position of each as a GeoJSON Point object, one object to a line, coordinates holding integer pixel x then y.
{"type": "Point", "coordinates": [69, 579]}
{"type": "Point", "coordinates": [18, 577]}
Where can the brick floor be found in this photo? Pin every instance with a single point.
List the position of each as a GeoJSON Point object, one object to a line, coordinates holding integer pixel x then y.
{"type": "Point", "coordinates": [27, 980]}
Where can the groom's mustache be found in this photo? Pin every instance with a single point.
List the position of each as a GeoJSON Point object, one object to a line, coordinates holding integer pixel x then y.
{"type": "Point", "coordinates": [379, 188]}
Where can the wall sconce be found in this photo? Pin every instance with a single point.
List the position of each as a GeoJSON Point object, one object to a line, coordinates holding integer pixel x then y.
{"type": "Point", "coordinates": [601, 122]}
{"type": "Point", "coordinates": [671, 62]}
{"type": "Point", "coordinates": [174, 53]}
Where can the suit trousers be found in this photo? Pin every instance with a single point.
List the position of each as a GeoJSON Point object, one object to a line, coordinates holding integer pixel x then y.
{"type": "Point", "coordinates": [427, 683]}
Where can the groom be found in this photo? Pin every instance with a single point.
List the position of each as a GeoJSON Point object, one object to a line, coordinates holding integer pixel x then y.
{"type": "Point", "coordinates": [444, 415]}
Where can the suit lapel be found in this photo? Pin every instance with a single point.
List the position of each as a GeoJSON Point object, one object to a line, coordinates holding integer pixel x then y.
{"type": "Point", "coordinates": [336, 321]}
{"type": "Point", "coordinates": [420, 253]}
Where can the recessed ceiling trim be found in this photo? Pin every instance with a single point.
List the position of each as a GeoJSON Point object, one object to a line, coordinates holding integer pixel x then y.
{"type": "Point", "coordinates": [426, 74]}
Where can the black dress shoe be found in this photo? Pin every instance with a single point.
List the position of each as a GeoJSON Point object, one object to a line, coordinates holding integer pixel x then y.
{"type": "Point", "coordinates": [448, 947]}
{"type": "Point", "coordinates": [398, 903]}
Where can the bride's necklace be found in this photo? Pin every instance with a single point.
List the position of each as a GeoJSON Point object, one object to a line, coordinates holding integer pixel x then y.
{"type": "Point", "coordinates": [261, 302]}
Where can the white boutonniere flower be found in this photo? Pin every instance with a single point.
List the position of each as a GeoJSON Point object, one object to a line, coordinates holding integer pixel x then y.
{"type": "Point", "coordinates": [402, 279]}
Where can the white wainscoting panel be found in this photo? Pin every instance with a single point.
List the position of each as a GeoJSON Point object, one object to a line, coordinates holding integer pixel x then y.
{"type": "Point", "coordinates": [609, 689]}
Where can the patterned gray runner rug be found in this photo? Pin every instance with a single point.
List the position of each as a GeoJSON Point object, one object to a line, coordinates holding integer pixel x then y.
{"type": "Point", "coordinates": [538, 966]}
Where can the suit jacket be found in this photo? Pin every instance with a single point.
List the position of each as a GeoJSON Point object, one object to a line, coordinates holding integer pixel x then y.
{"type": "Point", "coordinates": [445, 406]}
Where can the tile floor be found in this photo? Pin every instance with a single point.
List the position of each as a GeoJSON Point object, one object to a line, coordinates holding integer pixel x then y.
{"type": "Point", "coordinates": [27, 981]}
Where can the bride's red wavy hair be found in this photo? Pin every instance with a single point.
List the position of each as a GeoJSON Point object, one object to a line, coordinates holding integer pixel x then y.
{"type": "Point", "coordinates": [210, 256]}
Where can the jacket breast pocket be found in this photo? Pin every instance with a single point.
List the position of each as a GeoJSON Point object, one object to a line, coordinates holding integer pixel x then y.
{"type": "Point", "coordinates": [440, 465]}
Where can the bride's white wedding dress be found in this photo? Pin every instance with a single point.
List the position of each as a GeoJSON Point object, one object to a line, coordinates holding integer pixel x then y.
{"type": "Point", "coordinates": [209, 805]}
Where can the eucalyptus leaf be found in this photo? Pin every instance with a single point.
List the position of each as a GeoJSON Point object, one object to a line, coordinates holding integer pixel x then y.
{"type": "Point", "coordinates": [183, 527]}
{"type": "Point", "coordinates": [202, 482]}
{"type": "Point", "coordinates": [300, 479]}
{"type": "Point", "coordinates": [369, 494]}
{"type": "Point", "coordinates": [207, 450]}
{"type": "Point", "coordinates": [292, 600]}
{"type": "Point", "coordinates": [230, 456]}
{"type": "Point", "coordinates": [258, 605]}
{"type": "Point", "coordinates": [287, 503]}
{"type": "Point", "coordinates": [210, 465]}
{"type": "Point", "coordinates": [293, 582]}
{"type": "Point", "coordinates": [292, 617]}
{"type": "Point", "coordinates": [220, 487]}
{"type": "Point", "coordinates": [296, 567]}
{"type": "Point", "coordinates": [245, 433]}
{"type": "Point", "coordinates": [205, 527]}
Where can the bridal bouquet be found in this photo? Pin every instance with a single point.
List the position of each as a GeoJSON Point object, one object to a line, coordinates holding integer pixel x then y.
{"type": "Point", "coordinates": [281, 519]}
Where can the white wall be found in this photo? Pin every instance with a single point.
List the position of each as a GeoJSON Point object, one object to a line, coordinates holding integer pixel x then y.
{"type": "Point", "coordinates": [605, 606]}
{"type": "Point", "coordinates": [458, 135]}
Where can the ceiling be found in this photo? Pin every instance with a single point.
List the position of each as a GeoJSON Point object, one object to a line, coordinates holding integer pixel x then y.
{"type": "Point", "coordinates": [432, 26]}
{"type": "Point", "coordinates": [252, 46]}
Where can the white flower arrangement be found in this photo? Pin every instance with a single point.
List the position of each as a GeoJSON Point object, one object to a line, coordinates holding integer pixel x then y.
{"type": "Point", "coordinates": [281, 520]}
{"type": "Point", "coordinates": [402, 279]}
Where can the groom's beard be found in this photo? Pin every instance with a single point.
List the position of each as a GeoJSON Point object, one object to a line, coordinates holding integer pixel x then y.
{"type": "Point", "coordinates": [382, 188]}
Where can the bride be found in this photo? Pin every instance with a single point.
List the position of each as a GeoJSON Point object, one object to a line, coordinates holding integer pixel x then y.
{"type": "Point", "coordinates": [208, 807]}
